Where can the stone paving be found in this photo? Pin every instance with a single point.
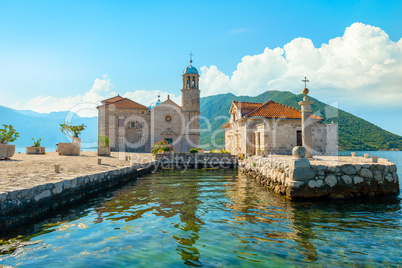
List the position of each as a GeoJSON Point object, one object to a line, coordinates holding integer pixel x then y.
{"type": "Point", "coordinates": [27, 171]}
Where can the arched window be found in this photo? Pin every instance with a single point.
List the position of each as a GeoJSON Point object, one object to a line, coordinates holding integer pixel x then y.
{"type": "Point", "coordinates": [193, 83]}
{"type": "Point", "coordinates": [188, 83]}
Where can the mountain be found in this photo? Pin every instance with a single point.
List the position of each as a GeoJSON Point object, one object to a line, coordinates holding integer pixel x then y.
{"type": "Point", "coordinates": [35, 125]}
{"type": "Point", "coordinates": [354, 133]}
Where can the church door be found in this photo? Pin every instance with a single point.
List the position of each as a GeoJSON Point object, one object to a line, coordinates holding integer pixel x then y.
{"type": "Point", "coordinates": [170, 141]}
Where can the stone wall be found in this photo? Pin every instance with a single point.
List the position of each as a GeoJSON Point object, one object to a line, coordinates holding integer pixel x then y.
{"type": "Point", "coordinates": [196, 160]}
{"type": "Point", "coordinates": [125, 138]}
{"type": "Point", "coordinates": [278, 136]}
{"type": "Point", "coordinates": [323, 180]}
{"type": "Point", "coordinates": [162, 129]}
{"type": "Point", "coordinates": [325, 139]}
{"type": "Point", "coordinates": [22, 206]}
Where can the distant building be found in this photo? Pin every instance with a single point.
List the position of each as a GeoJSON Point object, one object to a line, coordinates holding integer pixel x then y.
{"type": "Point", "coordinates": [133, 127]}
{"type": "Point", "coordinates": [274, 128]}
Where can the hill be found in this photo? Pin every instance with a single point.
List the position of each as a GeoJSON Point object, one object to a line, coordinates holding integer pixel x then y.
{"type": "Point", "coordinates": [354, 133]}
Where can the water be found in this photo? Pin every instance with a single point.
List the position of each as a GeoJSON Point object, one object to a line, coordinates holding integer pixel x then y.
{"type": "Point", "coordinates": [209, 218]}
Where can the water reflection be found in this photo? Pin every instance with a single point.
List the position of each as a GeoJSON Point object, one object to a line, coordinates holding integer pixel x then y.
{"type": "Point", "coordinates": [214, 218]}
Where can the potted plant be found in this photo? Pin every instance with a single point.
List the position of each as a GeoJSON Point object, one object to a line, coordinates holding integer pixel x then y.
{"type": "Point", "coordinates": [193, 151]}
{"type": "Point", "coordinates": [103, 145]}
{"type": "Point", "coordinates": [36, 148]}
{"type": "Point", "coordinates": [162, 145]}
{"type": "Point", "coordinates": [72, 132]}
{"type": "Point", "coordinates": [7, 135]}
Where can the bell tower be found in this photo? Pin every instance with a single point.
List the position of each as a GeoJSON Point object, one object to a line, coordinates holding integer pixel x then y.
{"type": "Point", "coordinates": [190, 102]}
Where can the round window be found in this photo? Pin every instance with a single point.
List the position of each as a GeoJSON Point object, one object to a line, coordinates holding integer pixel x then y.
{"type": "Point", "coordinates": [168, 118]}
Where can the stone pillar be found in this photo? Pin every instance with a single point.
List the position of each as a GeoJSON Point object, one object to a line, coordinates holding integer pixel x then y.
{"type": "Point", "coordinates": [307, 135]}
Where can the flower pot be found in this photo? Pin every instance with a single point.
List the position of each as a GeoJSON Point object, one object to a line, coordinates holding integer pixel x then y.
{"type": "Point", "coordinates": [35, 150]}
{"type": "Point", "coordinates": [69, 149]}
{"type": "Point", "coordinates": [6, 150]}
{"type": "Point", "coordinates": [103, 151]}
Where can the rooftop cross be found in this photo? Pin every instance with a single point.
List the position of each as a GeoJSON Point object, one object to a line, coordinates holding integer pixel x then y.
{"type": "Point", "coordinates": [191, 57]}
{"type": "Point", "coordinates": [305, 82]}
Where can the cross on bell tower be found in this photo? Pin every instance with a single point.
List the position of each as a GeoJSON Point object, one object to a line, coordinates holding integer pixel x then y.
{"type": "Point", "coordinates": [305, 82]}
{"type": "Point", "coordinates": [191, 57]}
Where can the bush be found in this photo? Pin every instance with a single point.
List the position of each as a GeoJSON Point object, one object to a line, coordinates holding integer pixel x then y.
{"type": "Point", "coordinates": [254, 164]}
{"type": "Point", "coordinates": [103, 141]}
{"type": "Point", "coordinates": [8, 134]}
{"type": "Point", "coordinates": [161, 145]}
{"type": "Point", "coordinates": [192, 150]}
{"type": "Point", "coordinates": [37, 142]}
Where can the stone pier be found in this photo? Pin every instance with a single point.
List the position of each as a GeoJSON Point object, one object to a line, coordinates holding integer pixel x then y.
{"type": "Point", "coordinates": [30, 188]}
{"type": "Point", "coordinates": [327, 177]}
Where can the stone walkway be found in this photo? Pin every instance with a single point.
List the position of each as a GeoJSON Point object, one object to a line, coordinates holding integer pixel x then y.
{"type": "Point", "coordinates": [27, 171]}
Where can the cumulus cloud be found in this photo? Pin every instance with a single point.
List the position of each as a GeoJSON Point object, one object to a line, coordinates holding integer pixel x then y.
{"type": "Point", "coordinates": [146, 97]}
{"type": "Point", "coordinates": [364, 62]}
{"type": "Point", "coordinates": [85, 105]}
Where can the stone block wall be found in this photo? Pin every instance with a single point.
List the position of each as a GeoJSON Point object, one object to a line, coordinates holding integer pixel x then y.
{"type": "Point", "coordinates": [196, 160]}
{"type": "Point", "coordinates": [325, 139]}
{"type": "Point", "coordinates": [126, 138]}
{"type": "Point", "coordinates": [344, 180]}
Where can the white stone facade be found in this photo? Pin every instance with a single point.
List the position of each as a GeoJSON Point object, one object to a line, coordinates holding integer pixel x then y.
{"type": "Point", "coordinates": [267, 135]}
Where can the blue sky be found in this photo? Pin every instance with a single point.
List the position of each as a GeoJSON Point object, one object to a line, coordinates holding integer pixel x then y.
{"type": "Point", "coordinates": [63, 52]}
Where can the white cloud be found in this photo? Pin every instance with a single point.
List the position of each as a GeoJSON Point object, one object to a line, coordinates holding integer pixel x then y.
{"type": "Point", "coordinates": [363, 63]}
{"type": "Point", "coordinates": [146, 97]}
{"type": "Point", "coordinates": [85, 105]}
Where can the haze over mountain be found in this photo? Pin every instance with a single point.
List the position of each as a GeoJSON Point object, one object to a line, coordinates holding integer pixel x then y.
{"type": "Point", "coordinates": [46, 126]}
{"type": "Point", "coordinates": [354, 132]}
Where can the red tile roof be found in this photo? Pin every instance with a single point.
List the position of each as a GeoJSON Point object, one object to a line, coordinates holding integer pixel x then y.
{"type": "Point", "coordinates": [247, 105]}
{"type": "Point", "coordinates": [122, 103]}
{"type": "Point", "coordinates": [117, 98]}
{"type": "Point", "coordinates": [272, 109]}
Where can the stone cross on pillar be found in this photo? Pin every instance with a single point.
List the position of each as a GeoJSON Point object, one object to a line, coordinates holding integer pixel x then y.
{"type": "Point", "coordinates": [307, 135]}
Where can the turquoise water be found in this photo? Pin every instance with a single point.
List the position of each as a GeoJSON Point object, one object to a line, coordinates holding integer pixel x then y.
{"type": "Point", "coordinates": [213, 218]}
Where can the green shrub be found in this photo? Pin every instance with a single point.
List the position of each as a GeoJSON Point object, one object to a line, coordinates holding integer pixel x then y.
{"type": "Point", "coordinates": [8, 134]}
{"type": "Point", "coordinates": [192, 150]}
{"type": "Point", "coordinates": [254, 164]}
{"type": "Point", "coordinates": [37, 142]}
{"type": "Point", "coordinates": [161, 145]}
{"type": "Point", "coordinates": [103, 141]}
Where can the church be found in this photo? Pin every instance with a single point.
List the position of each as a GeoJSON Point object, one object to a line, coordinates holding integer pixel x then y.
{"type": "Point", "coordinates": [134, 127]}
{"type": "Point", "coordinates": [275, 128]}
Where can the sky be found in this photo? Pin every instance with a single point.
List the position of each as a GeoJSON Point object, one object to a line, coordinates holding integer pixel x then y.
{"type": "Point", "coordinates": [69, 55]}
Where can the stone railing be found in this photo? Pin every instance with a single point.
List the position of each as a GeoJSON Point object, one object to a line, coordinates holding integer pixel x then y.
{"type": "Point", "coordinates": [297, 178]}
{"type": "Point", "coordinates": [197, 160]}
